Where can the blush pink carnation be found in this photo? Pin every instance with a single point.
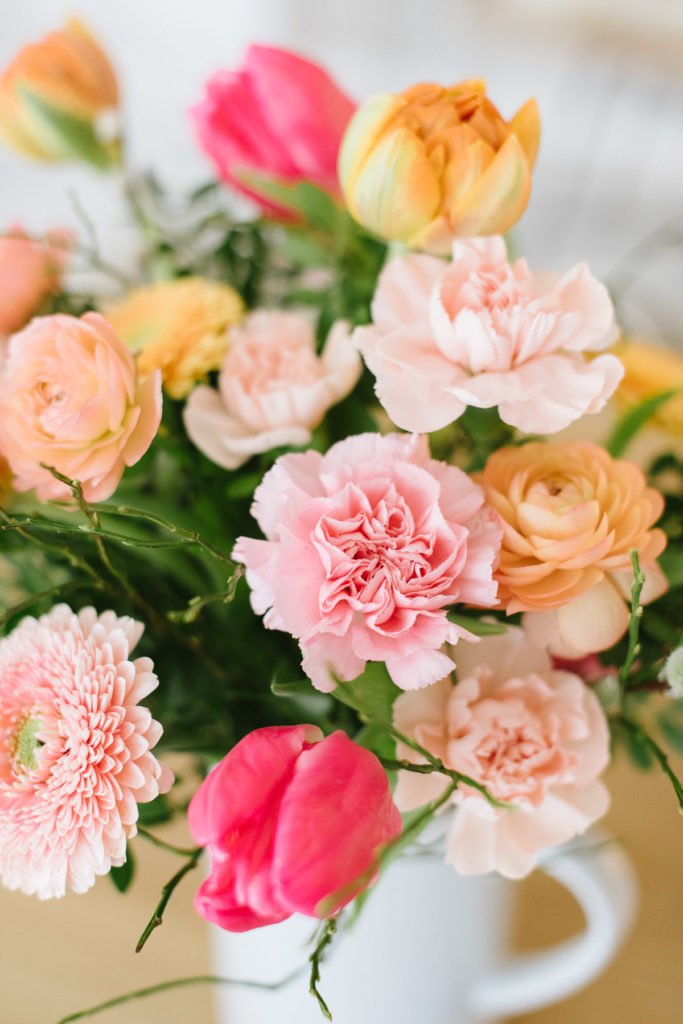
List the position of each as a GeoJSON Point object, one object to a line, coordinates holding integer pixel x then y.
{"type": "Point", "coordinates": [482, 332]}
{"type": "Point", "coordinates": [536, 737]}
{"type": "Point", "coordinates": [30, 271]}
{"type": "Point", "coordinates": [71, 398]}
{"type": "Point", "coordinates": [294, 822]}
{"type": "Point", "coordinates": [75, 748]}
{"type": "Point", "coordinates": [273, 389]}
{"type": "Point", "coordinates": [279, 116]}
{"type": "Point", "coordinates": [366, 547]}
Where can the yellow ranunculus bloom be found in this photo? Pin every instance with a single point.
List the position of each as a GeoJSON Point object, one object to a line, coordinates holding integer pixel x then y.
{"type": "Point", "coordinates": [434, 163]}
{"type": "Point", "coordinates": [180, 327]}
{"type": "Point", "coordinates": [649, 370]}
{"type": "Point", "coordinates": [53, 96]}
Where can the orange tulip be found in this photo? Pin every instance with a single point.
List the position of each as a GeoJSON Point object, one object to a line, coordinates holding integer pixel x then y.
{"type": "Point", "coordinates": [53, 96]}
{"type": "Point", "coordinates": [435, 163]}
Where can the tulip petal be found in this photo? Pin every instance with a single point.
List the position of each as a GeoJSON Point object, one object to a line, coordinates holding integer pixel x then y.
{"type": "Point", "coordinates": [500, 196]}
{"type": "Point", "coordinates": [526, 125]}
{"type": "Point", "coordinates": [363, 132]}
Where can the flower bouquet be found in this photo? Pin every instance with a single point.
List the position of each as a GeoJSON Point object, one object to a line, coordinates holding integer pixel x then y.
{"type": "Point", "coordinates": [285, 496]}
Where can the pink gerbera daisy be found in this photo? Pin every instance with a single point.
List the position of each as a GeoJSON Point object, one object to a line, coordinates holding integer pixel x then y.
{"type": "Point", "coordinates": [75, 748]}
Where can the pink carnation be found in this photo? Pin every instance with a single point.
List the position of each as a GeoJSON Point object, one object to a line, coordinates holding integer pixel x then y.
{"type": "Point", "coordinates": [71, 398]}
{"type": "Point", "coordinates": [536, 737]}
{"type": "Point", "coordinates": [366, 547]}
{"type": "Point", "coordinates": [75, 748]}
{"type": "Point", "coordinates": [483, 332]}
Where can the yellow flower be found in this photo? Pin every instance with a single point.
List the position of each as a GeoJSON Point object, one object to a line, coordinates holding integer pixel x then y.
{"type": "Point", "coordinates": [649, 370]}
{"type": "Point", "coordinates": [435, 163]}
{"type": "Point", "coordinates": [53, 96]}
{"type": "Point", "coordinates": [180, 327]}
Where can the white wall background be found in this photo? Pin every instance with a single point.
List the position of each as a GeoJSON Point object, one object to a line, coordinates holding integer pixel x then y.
{"type": "Point", "coordinates": [609, 84]}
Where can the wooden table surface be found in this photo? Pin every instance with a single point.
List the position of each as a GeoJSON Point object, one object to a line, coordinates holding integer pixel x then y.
{"type": "Point", "coordinates": [61, 956]}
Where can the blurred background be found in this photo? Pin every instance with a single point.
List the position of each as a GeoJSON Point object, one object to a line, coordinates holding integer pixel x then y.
{"type": "Point", "coordinates": [608, 76]}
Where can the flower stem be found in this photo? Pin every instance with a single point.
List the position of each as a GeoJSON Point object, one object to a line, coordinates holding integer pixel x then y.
{"type": "Point", "coordinates": [180, 851]}
{"type": "Point", "coordinates": [168, 986]}
{"type": "Point", "coordinates": [641, 734]}
{"type": "Point", "coordinates": [634, 621]}
{"type": "Point", "coordinates": [329, 930]}
{"type": "Point", "coordinates": [59, 590]}
{"type": "Point", "coordinates": [157, 918]}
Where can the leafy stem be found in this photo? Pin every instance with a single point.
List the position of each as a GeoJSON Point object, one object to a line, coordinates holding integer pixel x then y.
{"type": "Point", "coordinates": [157, 918]}
{"type": "Point", "coordinates": [642, 736]}
{"type": "Point", "coordinates": [176, 983]}
{"type": "Point", "coordinates": [180, 851]}
{"type": "Point", "coordinates": [635, 617]}
{"type": "Point", "coordinates": [327, 934]}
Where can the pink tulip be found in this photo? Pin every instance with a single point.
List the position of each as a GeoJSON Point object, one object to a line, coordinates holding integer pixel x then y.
{"type": "Point", "coordinates": [279, 116]}
{"type": "Point", "coordinates": [294, 823]}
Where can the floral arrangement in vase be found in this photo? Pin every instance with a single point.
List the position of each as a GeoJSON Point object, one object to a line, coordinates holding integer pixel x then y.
{"type": "Point", "coordinates": [286, 496]}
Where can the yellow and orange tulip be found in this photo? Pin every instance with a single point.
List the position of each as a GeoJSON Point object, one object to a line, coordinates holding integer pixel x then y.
{"type": "Point", "coordinates": [53, 96]}
{"type": "Point", "coordinates": [434, 163]}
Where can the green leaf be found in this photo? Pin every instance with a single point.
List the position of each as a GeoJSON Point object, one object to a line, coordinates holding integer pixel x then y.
{"type": "Point", "coordinates": [156, 812]}
{"type": "Point", "coordinates": [298, 688]}
{"type": "Point", "coordinates": [64, 136]}
{"type": "Point", "coordinates": [378, 740]}
{"type": "Point", "coordinates": [371, 694]}
{"type": "Point", "coordinates": [480, 627]}
{"type": "Point", "coordinates": [123, 876]}
{"type": "Point", "coordinates": [634, 420]}
{"type": "Point", "coordinates": [637, 749]}
{"type": "Point", "coordinates": [312, 203]}
{"type": "Point", "coordinates": [672, 565]}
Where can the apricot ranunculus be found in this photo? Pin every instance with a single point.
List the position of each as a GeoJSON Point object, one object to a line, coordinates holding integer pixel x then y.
{"type": "Point", "coordinates": [273, 388]}
{"type": "Point", "coordinates": [571, 515]}
{"type": "Point", "coordinates": [181, 327]}
{"type": "Point", "coordinates": [434, 163]}
{"type": "Point", "coordinates": [481, 331]}
{"type": "Point", "coordinates": [279, 116]}
{"type": "Point", "coordinates": [30, 271]}
{"type": "Point", "coordinates": [536, 737]}
{"type": "Point", "coordinates": [53, 96]}
{"type": "Point", "coordinates": [366, 548]}
{"type": "Point", "coordinates": [71, 398]}
{"type": "Point", "coordinates": [295, 823]}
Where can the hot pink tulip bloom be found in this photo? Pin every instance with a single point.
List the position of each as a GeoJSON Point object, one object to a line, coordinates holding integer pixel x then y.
{"type": "Point", "coordinates": [294, 823]}
{"type": "Point", "coordinates": [279, 116]}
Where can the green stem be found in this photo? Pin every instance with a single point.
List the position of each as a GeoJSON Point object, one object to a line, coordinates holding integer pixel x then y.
{"type": "Point", "coordinates": [176, 983]}
{"type": "Point", "coordinates": [315, 959]}
{"type": "Point", "coordinates": [635, 617]}
{"type": "Point", "coordinates": [641, 734]}
{"type": "Point", "coordinates": [198, 603]}
{"type": "Point", "coordinates": [58, 590]}
{"type": "Point", "coordinates": [180, 851]}
{"type": "Point", "coordinates": [184, 536]}
{"type": "Point", "coordinates": [433, 764]}
{"type": "Point", "coordinates": [157, 918]}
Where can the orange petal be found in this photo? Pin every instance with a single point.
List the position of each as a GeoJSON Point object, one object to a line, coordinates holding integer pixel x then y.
{"type": "Point", "coordinates": [498, 199]}
{"type": "Point", "coordinates": [361, 136]}
{"type": "Point", "coordinates": [526, 125]}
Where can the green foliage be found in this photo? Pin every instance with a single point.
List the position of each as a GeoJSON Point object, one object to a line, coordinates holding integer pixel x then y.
{"type": "Point", "coordinates": [632, 422]}
{"type": "Point", "coordinates": [122, 877]}
{"type": "Point", "coordinates": [480, 627]}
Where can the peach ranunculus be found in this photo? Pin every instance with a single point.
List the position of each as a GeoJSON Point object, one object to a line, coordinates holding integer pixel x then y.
{"type": "Point", "coordinates": [571, 515]}
{"type": "Point", "coordinates": [30, 271]}
{"type": "Point", "coordinates": [71, 398]}
{"type": "Point", "coordinates": [273, 388]}
{"type": "Point", "coordinates": [53, 96]}
{"type": "Point", "coordinates": [482, 332]}
{"type": "Point", "coordinates": [649, 370]}
{"type": "Point", "coordinates": [181, 327]}
{"type": "Point", "coordinates": [535, 737]}
{"type": "Point", "coordinates": [366, 549]}
{"type": "Point", "coordinates": [278, 117]}
{"type": "Point", "coordinates": [434, 163]}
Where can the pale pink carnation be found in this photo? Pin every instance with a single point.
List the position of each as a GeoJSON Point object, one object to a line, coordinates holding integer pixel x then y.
{"type": "Point", "coordinates": [536, 737]}
{"type": "Point", "coordinates": [75, 748]}
{"type": "Point", "coordinates": [482, 332]}
{"type": "Point", "coordinates": [367, 546]}
{"type": "Point", "coordinates": [71, 398]}
{"type": "Point", "coordinates": [273, 389]}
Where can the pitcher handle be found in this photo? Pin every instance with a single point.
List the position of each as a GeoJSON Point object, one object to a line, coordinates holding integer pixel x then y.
{"type": "Point", "coordinates": [600, 876]}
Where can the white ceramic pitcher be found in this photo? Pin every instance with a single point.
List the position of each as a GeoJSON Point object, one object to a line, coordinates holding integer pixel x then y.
{"type": "Point", "coordinates": [430, 946]}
